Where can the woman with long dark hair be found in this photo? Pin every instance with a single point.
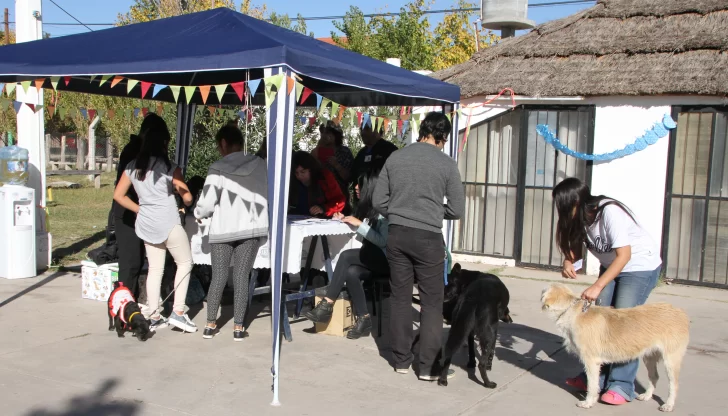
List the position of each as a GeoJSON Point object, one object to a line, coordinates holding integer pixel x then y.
{"type": "Point", "coordinates": [315, 191]}
{"type": "Point", "coordinates": [156, 180]}
{"type": "Point", "coordinates": [356, 265]}
{"type": "Point", "coordinates": [630, 266]}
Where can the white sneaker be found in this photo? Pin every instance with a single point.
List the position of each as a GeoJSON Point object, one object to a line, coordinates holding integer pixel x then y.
{"type": "Point", "coordinates": [182, 322]}
{"type": "Point", "coordinates": [159, 323]}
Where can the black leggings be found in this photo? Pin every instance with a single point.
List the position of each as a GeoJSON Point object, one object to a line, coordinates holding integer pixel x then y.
{"type": "Point", "coordinates": [243, 252]}
{"type": "Point", "coordinates": [354, 266]}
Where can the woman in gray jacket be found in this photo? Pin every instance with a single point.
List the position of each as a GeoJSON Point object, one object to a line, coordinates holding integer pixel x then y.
{"type": "Point", "coordinates": [235, 196]}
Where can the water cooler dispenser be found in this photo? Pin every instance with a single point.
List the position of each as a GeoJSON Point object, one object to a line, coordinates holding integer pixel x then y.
{"type": "Point", "coordinates": [17, 232]}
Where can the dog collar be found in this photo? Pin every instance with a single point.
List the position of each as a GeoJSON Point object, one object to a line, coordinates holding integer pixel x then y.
{"type": "Point", "coordinates": [132, 315]}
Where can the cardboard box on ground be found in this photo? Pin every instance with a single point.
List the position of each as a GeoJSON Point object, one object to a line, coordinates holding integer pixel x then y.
{"type": "Point", "coordinates": [97, 282]}
{"type": "Point", "coordinates": [342, 319]}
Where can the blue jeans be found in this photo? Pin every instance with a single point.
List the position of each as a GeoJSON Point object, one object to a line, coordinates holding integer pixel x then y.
{"type": "Point", "coordinates": [629, 289]}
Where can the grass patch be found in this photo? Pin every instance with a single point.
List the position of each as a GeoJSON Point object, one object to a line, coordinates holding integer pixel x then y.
{"type": "Point", "coordinates": [77, 217]}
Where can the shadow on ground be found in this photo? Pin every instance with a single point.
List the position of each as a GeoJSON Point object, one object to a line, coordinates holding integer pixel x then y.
{"type": "Point", "coordinates": [97, 403]}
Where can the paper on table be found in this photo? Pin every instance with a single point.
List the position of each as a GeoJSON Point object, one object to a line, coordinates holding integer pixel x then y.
{"type": "Point", "coordinates": [578, 264]}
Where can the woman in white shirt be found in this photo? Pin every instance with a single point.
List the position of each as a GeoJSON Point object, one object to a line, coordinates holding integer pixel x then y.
{"type": "Point", "coordinates": [630, 266]}
{"type": "Point", "coordinates": [156, 180]}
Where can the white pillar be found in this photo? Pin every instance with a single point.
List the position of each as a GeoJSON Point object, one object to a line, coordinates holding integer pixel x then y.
{"type": "Point", "coordinates": [31, 132]}
{"type": "Point", "coordinates": [92, 145]}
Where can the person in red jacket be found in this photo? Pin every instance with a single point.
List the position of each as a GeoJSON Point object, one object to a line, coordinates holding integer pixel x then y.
{"type": "Point", "coordinates": [315, 191]}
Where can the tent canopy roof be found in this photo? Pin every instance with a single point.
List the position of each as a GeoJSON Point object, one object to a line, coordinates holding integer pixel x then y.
{"type": "Point", "coordinates": [219, 46]}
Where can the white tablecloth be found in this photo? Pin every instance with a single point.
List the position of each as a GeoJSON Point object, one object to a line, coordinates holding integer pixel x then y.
{"type": "Point", "coordinates": [298, 240]}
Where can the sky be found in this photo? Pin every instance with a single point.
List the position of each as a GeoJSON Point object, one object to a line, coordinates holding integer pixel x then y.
{"type": "Point", "coordinates": [106, 11]}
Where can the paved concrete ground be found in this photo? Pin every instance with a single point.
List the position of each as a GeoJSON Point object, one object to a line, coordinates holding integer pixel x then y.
{"type": "Point", "coordinates": [58, 359]}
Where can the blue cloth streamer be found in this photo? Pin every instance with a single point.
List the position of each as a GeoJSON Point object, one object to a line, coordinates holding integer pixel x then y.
{"type": "Point", "coordinates": [650, 137]}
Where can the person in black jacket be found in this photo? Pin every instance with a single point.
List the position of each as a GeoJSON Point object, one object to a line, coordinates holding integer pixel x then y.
{"type": "Point", "coordinates": [130, 249]}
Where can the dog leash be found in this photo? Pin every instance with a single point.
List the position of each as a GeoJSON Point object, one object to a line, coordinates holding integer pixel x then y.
{"type": "Point", "coordinates": [170, 294]}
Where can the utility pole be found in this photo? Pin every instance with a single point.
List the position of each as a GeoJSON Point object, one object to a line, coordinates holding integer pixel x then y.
{"type": "Point", "coordinates": [7, 27]}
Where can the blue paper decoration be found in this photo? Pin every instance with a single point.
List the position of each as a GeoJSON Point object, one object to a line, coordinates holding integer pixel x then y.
{"type": "Point", "coordinates": [659, 130]}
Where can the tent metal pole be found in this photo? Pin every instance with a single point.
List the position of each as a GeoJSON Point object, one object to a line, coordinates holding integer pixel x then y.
{"type": "Point", "coordinates": [279, 125]}
{"type": "Point", "coordinates": [185, 123]}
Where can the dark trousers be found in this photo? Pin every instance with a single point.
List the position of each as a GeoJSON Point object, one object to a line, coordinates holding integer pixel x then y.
{"type": "Point", "coordinates": [130, 250]}
{"type": "Point", "coordinates": [416, 255]}
{"type": "Point", "coordinates": [352, 267]}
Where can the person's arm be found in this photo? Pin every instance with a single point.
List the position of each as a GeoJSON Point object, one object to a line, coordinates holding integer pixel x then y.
{"type": "Point", "coordinates": [210, 196]}
{"type": "Point", "coordinates": [376, 235]}
{"type": "Point", "coordinates": [616, 227]}
{"type": "Point", "coordinates": [455, 193]}
{"type": "Point", "coordinates": [120, 194]}
{"type": "Point", "coordinates": [180, 187]}
{"type": "Point", "coordinates": [380, 199]}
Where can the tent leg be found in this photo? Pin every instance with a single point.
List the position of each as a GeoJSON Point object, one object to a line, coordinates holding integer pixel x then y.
{"type": "Point", "coordinates": [279, 124]}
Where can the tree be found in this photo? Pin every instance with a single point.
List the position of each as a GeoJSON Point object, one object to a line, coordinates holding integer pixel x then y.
{"type": "Point", "coordinates": [409, 37]}
{"type": "Point", "coordinates": [454, 38]}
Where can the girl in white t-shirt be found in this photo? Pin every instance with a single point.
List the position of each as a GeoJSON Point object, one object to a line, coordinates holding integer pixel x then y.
{"type": "Point", "coordinates": [156, 180]}
{"type": "Point", "coordinates": [630, 266]}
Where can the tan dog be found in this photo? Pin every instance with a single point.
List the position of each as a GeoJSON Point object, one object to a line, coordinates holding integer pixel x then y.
{"type": "Point", "coordinates": [604, 335]}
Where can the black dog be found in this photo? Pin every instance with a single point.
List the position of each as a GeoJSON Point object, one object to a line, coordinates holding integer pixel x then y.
{"type": "Point", "coordinates": [474, 303]}
{"type": "Point", "coordinates": [125, 315]}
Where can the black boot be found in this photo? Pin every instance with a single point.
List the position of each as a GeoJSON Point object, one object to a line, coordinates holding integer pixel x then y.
{"type": "Point", "coordinates": [362, 328]}
{"type": "Point", "coordinates": [321, 313]}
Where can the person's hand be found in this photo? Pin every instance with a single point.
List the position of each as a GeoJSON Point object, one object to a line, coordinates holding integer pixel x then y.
{"type": "Point", "coordinates": [568, 270]}
{"type": "Point", "coordinates": [338, 216]}
{"type": "Point", "coordinates": [592, 293]}
{"type": "Point", "coordinates": [356, 222]}
{"type": "Point", "coordinates": [316, 210]}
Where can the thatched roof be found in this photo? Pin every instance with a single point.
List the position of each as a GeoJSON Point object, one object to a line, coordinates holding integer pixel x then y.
{"type": "Point", "coordinates": [617, 47]}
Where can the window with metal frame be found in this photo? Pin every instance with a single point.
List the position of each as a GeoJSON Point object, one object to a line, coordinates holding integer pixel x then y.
{"type": "Point", "coordinates": [695, 232]}
{"type": "Point", "coordinates": [489, 169]}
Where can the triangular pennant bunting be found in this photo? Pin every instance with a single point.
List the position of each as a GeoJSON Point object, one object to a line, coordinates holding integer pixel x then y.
{"type": "Point", "coordinates": [54, 82]}
{"type": "Point", "coordinates": [175, 91]}
{"type": "Point", "coordinates": [340, 115]}
{"type": "Point", "coordinates": [311, 121]}
{"type": "Point", "coordinates": [91, 114]}
{"type": "Point", "coordinates": [299, 91]}
{"type": "Point", "coordinates": [239, 88]}
{"type": "Point", "coordinates": [157, 88]}
{"type": "Point", "coordinates": [2, 87]}
{"type": "Point", "coordinates": [160, 109]}
{"type": "Point", "coordinates": [93, 77]}
{"type": "Point", "coordinates": [204, 92]}
{"type": "Point", "coordinates": [17, 105]}
{"type": "Point", "coordinates": [220, 92]}
{"type": "Point", "coordinates": [62, 112]}
{"type": "Point", "coordinates": [189, 92]}
{"type": "Point", "coordinates": [130, 84]}
{"type": "Point", "coordinates": [211, 109]}
{"type": "Point", "coordinates": [334, 109]}
{"type": "Point", "coordinates": [84, 113]}
{"type": "Point", "coordinates": [100, 113]}
{"type": "Point", "coordinates": [145, 111]}
{"type": "Point", "coordinates": [51, 110]}
{"type": "Point", "coordinates": [10, 88]}
{"type": "Point", "coordinates": [324, 103]}
{"type": "Point", "coordinates": [111, 114]}
{"type": "Point", "coordinates": [67, 80]}
{"type": "Point", "coordinates": [136, 112]}
{"type": "Point", "coordinates": [117, 79]}
{"type": "Point", "coordinates": [104, 78]}
{"type": "Point", "coordinates": [291, 84]}
{"type": "Point", "coordinates": [25, 85]}
{"type": "Point", "coordinates": [39, 83]}
{"type": "Point", "coordinates": [449, 117]}
{"type": "Point", "coordinates": [319, 99]}
{"type": "Point", "coordinates": [145, 88]}
{"type": "Point", "coordinates": [307, 93]}
{"type": "Point", "coordinates": [31, 106]}
{"type": "Point", "coordinates": [253, 85]}
{"type": "Point", "coordinates": [366, 120]}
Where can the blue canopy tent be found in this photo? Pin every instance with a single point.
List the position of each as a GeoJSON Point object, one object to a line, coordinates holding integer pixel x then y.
{"type": "Point", "coordinates": [217, 47]}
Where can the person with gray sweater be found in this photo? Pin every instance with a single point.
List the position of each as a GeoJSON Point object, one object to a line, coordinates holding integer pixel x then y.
{"type": "Point", "coordinates": [235, 196]}
{"type": "Point", "coordinates": [411, 193]}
